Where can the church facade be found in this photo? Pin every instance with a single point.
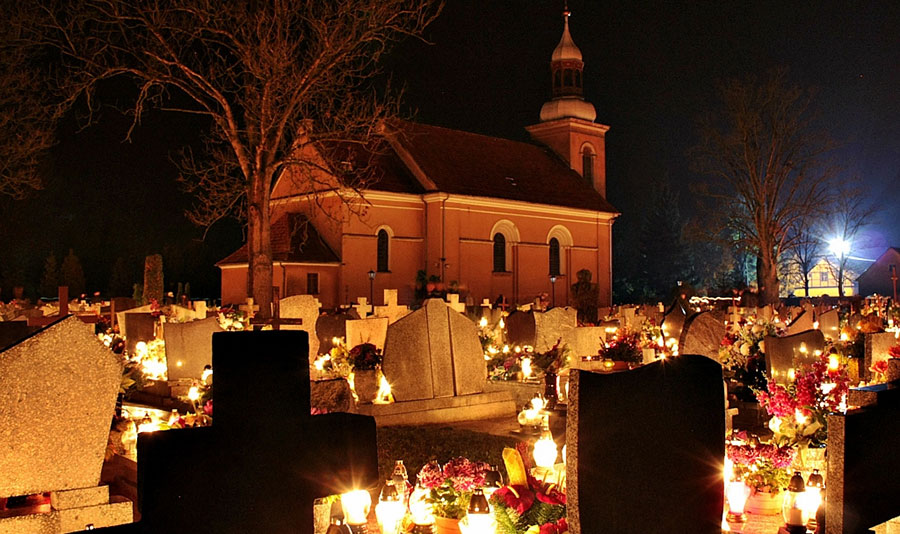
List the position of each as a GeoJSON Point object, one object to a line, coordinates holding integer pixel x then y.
{"type": "Point", "coordinates": [494, 217]}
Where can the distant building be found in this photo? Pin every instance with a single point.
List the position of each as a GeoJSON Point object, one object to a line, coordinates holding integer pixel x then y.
{"type": "Point", "coordinates": [822, 281]}
{"type": "Point", "coordinates": [878, 277]}
{"type": "Point", "coordinates": [498, 217]}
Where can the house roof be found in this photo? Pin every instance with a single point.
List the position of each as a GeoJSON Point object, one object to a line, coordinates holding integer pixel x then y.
{"type": "Point", "coordinates": [294, 239]}
{"type": "Point", "coordinates": [465, 163]}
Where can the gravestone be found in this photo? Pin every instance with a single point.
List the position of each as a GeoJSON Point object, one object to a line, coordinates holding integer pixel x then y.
{"type": "Point", "coordinates": [332, 395]}
{"type": "Point", "coordinates": [260, 473]}
{"type": "Point", "coordinates": [801, 323]}
{"type": "Point", "coordinates": [455, 304]}
{"type": "Point", "coordinates": [189, 347]}
{"type": "Point", "coordinates": [153, 278]}
{"type": "Point", "coordinates": [433, 352]}
{"type": "Point", "coordinates": [673, 321]}
{"type": "Point", "coordinates": [631, 319]}
{"type": "Point", "coordinates": [139, 327]}
{"type": "Point", "coordinates": [120, 317]}
{"type": "Point", "coordinates": [785, 353]}
{"type": "Point", "coordinates": [585, 341]}
{"type": "Point", "coordinates": [200, 309]}
{"type": "Point", "coordinates": [520, 328]}
{"type": "Point", "coordinates": [702, 334]}
{"type": "Point", "coordinates": [391, 309]}
{"type": "Point", "coordinates": [362, 307]}
{"type": "Point", "coordinates": [618, 480]}
{"type": "Point", "coordinates": [330, 326]}
{"type": "Point", "coordinates": [372, 330]}
{"type": "Point", "coordinates": [58, 392]}
{"type": "Point", "coordinates": [184, 314]}
{"type": "Point", "coordinates": [830, 324]}
{"type": "Point", "coordinates": [306, 308]}
{"type": "Point", "coordinates": [877, 347]}
{"type": "Point", "coordinates": [553, 325]}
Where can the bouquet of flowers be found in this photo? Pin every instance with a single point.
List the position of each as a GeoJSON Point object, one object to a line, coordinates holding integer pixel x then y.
{"type": "Point", "coordinates": [451, 486]}
{"type": "Point", "coordinates": [624, 347]}
{"type": "Point", "coordinates": [553, 360]}
{"type": "Point", "coordinates": [762, 466]}
{"type": "Point", "coordinates": [365, 357]}
{"type": "Point", "coordinates": [526, 505]}
{"type": "Point", "coordinates": [741, 354]}
{"type": "Point", "coordinates": [798, 409]}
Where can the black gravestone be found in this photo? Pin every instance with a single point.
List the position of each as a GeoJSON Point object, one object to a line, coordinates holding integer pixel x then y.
{"type": "Point", "coordinates": [330, 326]}
{"type": "Point", "coordinates": [520, 328]}
{"type": "Point", "coordinates": [646, 448]}
{"type": "Point", "coordinates": [264, 460]}
{"type": "Point", "coordinates": [139, 327]}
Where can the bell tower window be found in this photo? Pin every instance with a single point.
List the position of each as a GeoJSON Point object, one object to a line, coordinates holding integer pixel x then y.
{"type": "Point", "coordinates": [587, 164]}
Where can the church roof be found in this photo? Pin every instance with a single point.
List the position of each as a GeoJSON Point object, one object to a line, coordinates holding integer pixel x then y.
{"type": "Point", "coordinates": [465, 163]}
{"type": "Point", "coordinates": [566, 49]}
{"type": "Point", "coordinates": [294, 240]}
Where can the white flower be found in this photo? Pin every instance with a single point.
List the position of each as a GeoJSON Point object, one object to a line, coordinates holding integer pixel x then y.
{"type": "Point", "coordinates": [745, 349]}
{"type": "Point", "coordinates": [762, 346]}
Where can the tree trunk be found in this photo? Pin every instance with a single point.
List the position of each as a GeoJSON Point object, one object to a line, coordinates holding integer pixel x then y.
{"type": "Point", "coordinates": [259, 246]}
{"type": "Point", "coordinates": [767, 279]}
{"type": "Point", "coordinates": [806, 284]}
{"type": "Point", "coordinates": [840, 278]}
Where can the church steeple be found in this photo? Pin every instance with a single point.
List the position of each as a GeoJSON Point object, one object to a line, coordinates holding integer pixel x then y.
{"type": "Point", "coordinates": [567, 122]}
{"type": "Point", "coordinates": [567, 71]}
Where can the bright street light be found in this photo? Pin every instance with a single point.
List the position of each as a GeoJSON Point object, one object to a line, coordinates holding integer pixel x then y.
{"type": "Point", "coordinates": [839, 247]}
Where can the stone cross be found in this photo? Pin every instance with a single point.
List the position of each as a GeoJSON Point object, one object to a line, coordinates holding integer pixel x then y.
{"type": "Point", "coordinates": [486, 303]}
{"type": "Point", "coordinates": [265, 459]}
{"type": "Point", "coordinates": [249, 308]}
{"type": "Point", "coordinates": [362, 307]}
{"type": "Point", "coordinates": [455, 304]}
{"type": "Point", "coordinates": [391, 309]}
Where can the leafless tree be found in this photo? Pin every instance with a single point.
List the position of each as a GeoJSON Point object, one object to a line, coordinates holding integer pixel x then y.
{"type": "Point", "coordinates": [806, 252]}
{"type": "Point", "coordinates": [766, 167]}
{"type": "Point", "coordinates": [850, 213]}
{"type": "Point", "coordinates": [282, 82]}
{"type": "Point", "coordinates": [27, 117]}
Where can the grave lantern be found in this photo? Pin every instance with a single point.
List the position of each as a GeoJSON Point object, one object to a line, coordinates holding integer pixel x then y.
{"type": "Point", "coordinates": [793, 510]}
{"type": "Point", "coordinates": [356, 505]}
{"type": "Point", "coordinates": [390, 509]}
{"type": "Point", "coordinates": [813, 500]}
{"type": "Point", "coordinates": [478, 518]}
{"type": "Point", "coordinates": [545, 451]}
{"type": "Point", "coordinates": [737, 492]}
{"type": "Point", "coordinates": [493, 481]}
{"type": "Point", "coordinates": [420, 510]}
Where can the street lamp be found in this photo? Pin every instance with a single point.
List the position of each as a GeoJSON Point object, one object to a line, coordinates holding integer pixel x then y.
{"type": "Point", "coordinates": [372, 289]}
{"type": "Point", "coordinates": [552, 290]}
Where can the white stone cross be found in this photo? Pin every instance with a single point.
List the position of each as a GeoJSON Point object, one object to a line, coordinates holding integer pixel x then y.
{"type": "Point", "coordinates": [486, 303]}
{"type": "Point", "coordinates": [453, 302]}
{"type": "Point", "coordinates": [391, 309]}
{"type": "Point", "coordinates": [362, 308]}
{"type": "Point", "coordinates": [249, 308]}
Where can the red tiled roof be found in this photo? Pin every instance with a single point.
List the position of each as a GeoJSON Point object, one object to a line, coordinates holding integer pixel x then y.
{"type": "Point", "coordinates": [477, 165]}
{"type": "Point", "coordinates": [294, 239]}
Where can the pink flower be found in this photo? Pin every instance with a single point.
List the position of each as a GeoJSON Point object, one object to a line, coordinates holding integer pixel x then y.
{"type": "Point", "coordinates": [431, 476]}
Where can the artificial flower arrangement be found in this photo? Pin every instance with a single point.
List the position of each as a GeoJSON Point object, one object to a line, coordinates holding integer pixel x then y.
{"type": "Point", "coordinates": [451, 486]}
{"type": "Point", "coordinates": [624, 347]}
{"type": "Point", "coordinates": [364, 357]}
{"type": "Point", "coordinates": [526, 505]}
{"type": "Point", "coordinates": [880, 368]}
{"type": "Point", "coordinates": [742, 355]}
{"type": "Point", "coordinates": [506, 365]}
{"type": "Point", "coordinates": [799, 408]}
{"type": "Point", "coordinates": [552, 361]}
{"type": "Point", "coordinates": [762, 466]}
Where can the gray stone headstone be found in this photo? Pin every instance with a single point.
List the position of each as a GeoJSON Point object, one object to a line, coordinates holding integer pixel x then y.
{"type": "Point", "coordinates": [619, 480]}
{"type": "Point", "coordinates": [372, 330]}
{"type": "Point", "coordinates": [877, 349]}
{"type": "Point", "coordinates": [586, 341]}
{"type": "Point", "coordinates": [520, 328]}
{"type": "Point", "coordinates": [305, 307]}
{"type": "Point", "coordinates": [139, 327]}
{"type": "Point", "coordinates": [702, 334]}
{"type": "Point", "coordinates": [58, 394]}
{"type": "Point", "coordinates": [433, 352]}
{"type": "Point", "coordinates": [830, 324]}
{"type": "Point", "coordinates": [553, 325]}
{"type": "Point", "coordinates": [801, 323]}
{"type": "Point", "coordinates": [189, 344]}
{"type": "Point", "coordinates": [785, 353]}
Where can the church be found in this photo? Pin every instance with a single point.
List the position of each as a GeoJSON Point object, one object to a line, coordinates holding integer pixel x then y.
{"type": "Point", "coordinates": [495, 218]}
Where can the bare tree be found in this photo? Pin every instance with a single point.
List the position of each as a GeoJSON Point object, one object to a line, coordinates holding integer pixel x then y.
{"type": "Point", "coordinates": [27, 118]}
{"type": "Point", "coordinates": [850, 213]}
{"type": "Point", "coordinates": [766, 166]}
{"type": "Point", "coordinates": [279, 80]}
{"type": "Point", "coordinates": [806, 252]}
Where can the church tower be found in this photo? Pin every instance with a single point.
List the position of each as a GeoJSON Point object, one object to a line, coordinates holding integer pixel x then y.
{"type": "Point", "coordinates": [567, 121]}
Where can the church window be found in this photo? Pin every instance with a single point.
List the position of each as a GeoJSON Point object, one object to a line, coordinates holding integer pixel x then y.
{"type": "Point", "coordinates": [568, 78]}
{"type": "Point", "coordinates": [312, 283]}
{"type": "Point", "coordinates": [554, 257]}
{"type": "Point", "coordinates": [587, 164]}
{"type": "Point", "coordinates": [383, 249]}
{"type": "Point", "coordinates": [499, 253]}
{"type": "Point", "coordinates": [578, 79]}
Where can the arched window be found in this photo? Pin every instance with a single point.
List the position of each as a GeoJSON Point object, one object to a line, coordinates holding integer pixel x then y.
{"type": "Point", "coordinates": [383, 249]}
{"type": "Point", "coordinates": [587, 164]}
{"type": "Point", "coordinates": [578, 79]}
{"type": "Point", "coordinates": [557, 80]}
{"type": "Point", "coordinates": [554, 257]}
{"type": "Point", "coordinates": [568, 78]}
{"type": "Point", "coordinates": [499, 253]}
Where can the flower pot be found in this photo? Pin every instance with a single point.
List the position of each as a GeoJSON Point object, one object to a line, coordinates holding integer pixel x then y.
{"type": "Point", "coordinates": [366, 385]}
{"type": "Point", "coordinates": [765, 503]}
{"type": "Point", "coordinates": [445, 525]}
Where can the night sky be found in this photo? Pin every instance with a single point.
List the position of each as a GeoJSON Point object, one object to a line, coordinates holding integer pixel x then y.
{"type": "Point", "coordinates": [650, 70]}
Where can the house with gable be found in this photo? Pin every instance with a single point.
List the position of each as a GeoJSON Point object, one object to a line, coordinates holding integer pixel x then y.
{"type": "Point", "coordinates": [500, 218]}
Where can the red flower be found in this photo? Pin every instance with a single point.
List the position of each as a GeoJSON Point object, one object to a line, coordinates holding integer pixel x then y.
{"type": "Point", "coordinates": [517, 497]}
{"type": "Point", "coordinates": [879, 367]}
{"type": "Point", "coordinates": [894, 351]}
{"type": "Point", "coordinates": [558, 527]}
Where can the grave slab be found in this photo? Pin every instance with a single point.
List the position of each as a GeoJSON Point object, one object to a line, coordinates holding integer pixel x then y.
{"type": "Point", "coordinates": [785, 353]}
{"type": "Point", "coordinates": [626, 482]}
{"type": "Point", "coordinates": [189, 344]}
{"type": "Point", "coordinates": [305, 307]}
{"type": "Point", "coordinates": [829, 324]}
{"type": "Point", "coordinates": [552, 325]}
{"type": "Point", "coordinates": [372, 330]}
